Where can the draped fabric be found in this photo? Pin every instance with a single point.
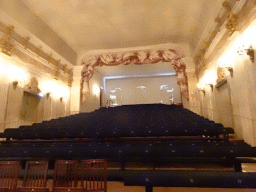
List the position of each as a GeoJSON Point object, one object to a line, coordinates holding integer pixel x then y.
{"type": "Point", "coordinates": [174, 57]}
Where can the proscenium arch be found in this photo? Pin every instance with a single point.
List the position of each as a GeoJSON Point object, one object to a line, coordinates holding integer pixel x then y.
{"type": "Point", "coordinates": [172, 55]}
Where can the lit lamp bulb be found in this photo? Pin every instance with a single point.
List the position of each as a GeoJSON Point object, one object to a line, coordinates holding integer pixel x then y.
{"type": "Point", "coordinates": [95, 90]}
{"type": "Point", "coordinates": [209, 79]}
{"type": "Point", "coordinates": [16, 74]}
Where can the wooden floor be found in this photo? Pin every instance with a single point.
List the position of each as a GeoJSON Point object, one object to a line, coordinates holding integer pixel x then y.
{"type": "Point", "coordinates": [119, 187]}
{"type": "Point", "coordinates": [115, 186]}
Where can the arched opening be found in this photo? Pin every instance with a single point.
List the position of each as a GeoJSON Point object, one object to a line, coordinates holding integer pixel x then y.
{"type": "Point", "coordinates": [172, 55]}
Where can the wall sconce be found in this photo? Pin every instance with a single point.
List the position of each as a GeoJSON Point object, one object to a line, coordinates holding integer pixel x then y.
{"type": "Point", "coordinates": [250, 51]}
{"type": "Point", "coordinates": [200, 87]}
{"type": "Point", "coordinates": [40, 94]}
{"type": "Point", "coordinates": [15, 83]}
{"type": "Point", "coordinates": [211, 85]}
{"type": "Point", "coordinates": [96, 90]}
{"type": "Point", "coordinates": [231, 71]}
{"type": "Point", "coordinates": [48, 95]}
{"type": "Point", "coordinates": [202, 90]}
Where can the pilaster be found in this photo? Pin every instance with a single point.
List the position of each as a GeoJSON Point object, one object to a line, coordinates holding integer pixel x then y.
{"type": "Point", "coordinates": [192, 85]}
{"type": "Point", "coordinates": [75, 90]}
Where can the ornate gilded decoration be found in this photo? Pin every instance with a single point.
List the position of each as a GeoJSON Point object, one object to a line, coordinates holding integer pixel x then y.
{"type": "Point", "coordinates": [227, 6]}
{"type": "Point", "coordinates": [221, 74]}
{"type": "Point", "coordinates": [57, 71]}
{"type": "Point", "coordinates": [28, 59]}
{"type": "Point", "coordinates": [232, 23]}
{"type": "Point", "coordinates": [250, 52]}
{"type": "Point", "coordinates": [49, 58]}
{"type": "Point", "coordinates": [6, 44]}
{"type": "Point", "coordinates": [38, 50]}
{"type": "Point", "coordinates": [64, 68]}
{"type": "Point", "coordinates": [8, 48]}
{"type": "Point", "coordinates": [70, 79]}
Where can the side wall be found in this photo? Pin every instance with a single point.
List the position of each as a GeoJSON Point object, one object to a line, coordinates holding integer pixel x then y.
{"type": "Point", "coordinates": [92, 101]}
{"type": "Point", "coordinates": [234, 103]}
{"type": "Point", "coordinates": [20, 108]}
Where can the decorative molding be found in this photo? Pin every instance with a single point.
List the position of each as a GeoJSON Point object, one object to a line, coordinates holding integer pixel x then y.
{"type": "Point", "coordinates": [172, 55]}
{"type": "Point", "coordinates": [6, 44]}
{"type": "Point", "coordinates": [39, 65]}
{"type": "Point", "coordinates": [190, 64]}
{"type": "Point", "coordinates": [38, 50]}
{"type": "Point", "coordinates": [232, 23]}
{"type": "Point", "coordinates": [176, 46]}
{"type": "Point", "coordinates": [227, 6]}
{"type": "Point", "coordinates": [64, 68]}
{"type": "Point", "coordinates": [49, 58]}
{"type": "Point", "coordinates": [10, 34]}
{"type": "Point", "coordinates": [70, 79]}
{"type": "Point", "coordinates": [57, 71]}
{"type": "Point", "coordinates": [33, 55]}
{"type": "Point", "coordinates": [227, 24]}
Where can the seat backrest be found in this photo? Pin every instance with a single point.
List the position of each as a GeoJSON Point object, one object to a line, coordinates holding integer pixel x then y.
{"type": "Point", "coordinates": [35, 174]}
{"type": "Point", "coordinates": [65, 173]}
{"type": "Point", "coordinates": [94, 175]}
{"type": "Point", "coordinates": [9, 171]}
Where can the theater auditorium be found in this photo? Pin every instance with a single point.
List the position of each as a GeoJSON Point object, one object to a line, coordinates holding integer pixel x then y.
{"type": "Point", "coordinates": [127, 95]}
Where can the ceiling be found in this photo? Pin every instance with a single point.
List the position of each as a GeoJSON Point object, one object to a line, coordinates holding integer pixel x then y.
{"type": "Point", "coordinates": [107, 24]}
{"type": "Point", "coordinates": [87, 25]}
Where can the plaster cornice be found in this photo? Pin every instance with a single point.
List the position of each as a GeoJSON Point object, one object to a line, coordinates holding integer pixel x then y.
{"type": "Point", "coordinates": [182, 47]}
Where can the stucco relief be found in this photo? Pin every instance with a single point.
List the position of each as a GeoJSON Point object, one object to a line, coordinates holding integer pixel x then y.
{"type": "Point", "coordinates": [172, 55]}
{"type": "Point", "coordinates": [221, 74]}
{"type": "Point", "coordinates": [33, 85]}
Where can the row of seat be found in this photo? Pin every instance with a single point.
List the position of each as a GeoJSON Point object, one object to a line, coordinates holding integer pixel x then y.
{"type": "Point", "coordinates": [150, 121]}
{"type": "Point", "coordinates": [207, 179]}
{"type": "Point", "coordinates": [123, 121]}
{"type": "Point", "coordinates": [92, 175]}
{"type": "Point", "coordinates": [114, 132]}
{"type": "Point", "coordinates": [126, 152]}
{"type": "Point", "coordinates": [124, 113]}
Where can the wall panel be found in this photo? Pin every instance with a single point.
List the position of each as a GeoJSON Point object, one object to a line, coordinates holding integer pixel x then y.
{"type": "Point", "coordinates": [132, 92]}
